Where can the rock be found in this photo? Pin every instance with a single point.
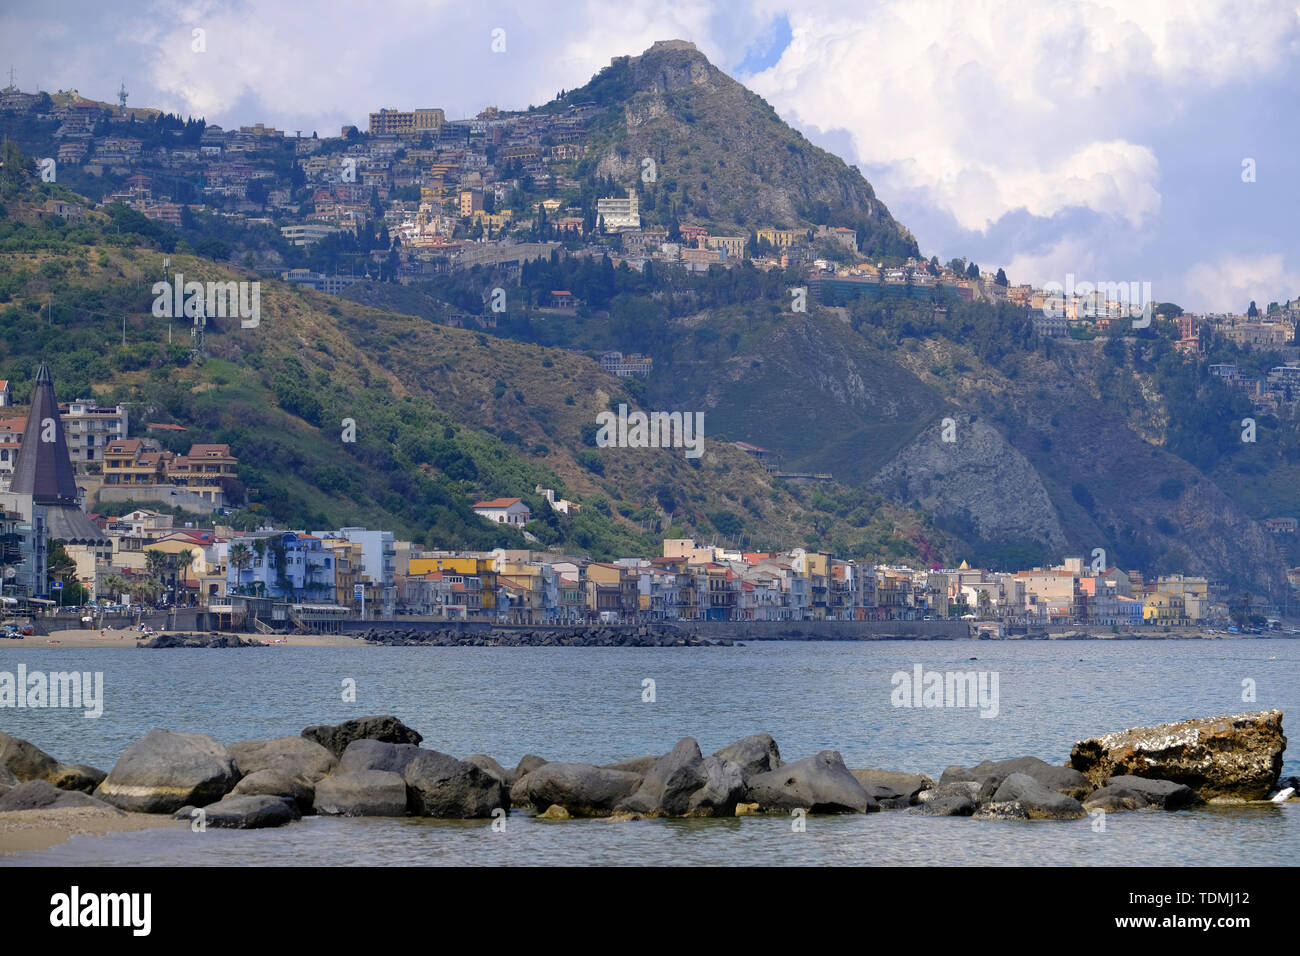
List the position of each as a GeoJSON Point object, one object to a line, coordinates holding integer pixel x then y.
{"type": "Point", "coordinates": [439, 785]}
{"type": "Point", "coordinates": [294, 755]}
{"type": "Point", "coordinates": [554, 812]}
{"type": "Point", "coordinates": [77, 776]}
{"type": "Point", "coordinates": [1161, 793]}
{"type": "Point", "coordinates": [622, 816]}
{"type": "Point", "coordinates": [527, 764]}
{"type": "Point", "coordinates": [25, 761]}
{"type": "Point", "coordinates": [948, 800]}
{"type": "Point", "coordinates": [637, 765]}
{"type": "Point", "coordinates": [278, 783]}
{"type": "Point", "coordinates": [519, 791]}
{"type": "Point", "coordinates": [167, 769]}
{"type": "Point", "coordinates": [746, 809]}
{"type": "Point", "coordinates": [493, 769]}
{"type": "Point", "coordinates": [367, 754]}
{"type": "Point", "coordinates": [363, 793]}
{"type": "Point", "coordinates": [336, 738]}
{"type": "Point", "coordinates": [1061, 779]}
{"type": "Point", "coordinates": [892, 790]}
{"type": "Point", "coordinates": [820, 784]}
{"type": "Point", "coordinates": [43, 795]}
{"type": "Point", "coordinates": [1235, 757]}
{"type": "Point", "coordinates": [755, 754]}
{"type": "Point", "coordinates": [251, 812]}
{"type": "Point", "coordinates": [1012, 810]}
{"type": "Point", "coordinates": [1116, 800]}
{"type": "Point", "coordinates": [669, 782]}
{"type": "Point", "coordinates": [7, 780]}
{"type": "Point", "coordinates": [582, 789]}
{"type": "Point", "coordinates": [722, 791]}
{"type": "Point", "coordinates": [1039, 801]}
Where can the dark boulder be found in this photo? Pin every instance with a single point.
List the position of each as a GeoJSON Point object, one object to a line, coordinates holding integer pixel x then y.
{"type": "Point", "coordinates": [1040, 801]}
{"type": "Point", "coordinates": [755, 754]}
{"type": "Point", "coordinates": [278, 783]}
{"type": "Point", "coordinates": [820, 784]}
{"type": "Point", "coordinates": [670, 782]}
{"type": "Point", "coordinates": [638, 765]}
{"type": "Point", "coordinates": [25, 761]}
{"type": "Point", "coordinates": [1161, 793]}
{"type": "Point", "coordinates": [1116, 800]}
{"type": "Point", "coordinates": [336, 738]}
{"type": "Point", "coordinates": [723, 789]}
{"type": "Point", "coordinates": [948, 800]}
{"type": "Point", "coordinates": [367, 754]}
{"type": "Point", "coordinates": [251, 812]}
{"type": "Point", "coordinates": [527, 764]}
{"type": "Point", "coordinates": [42, 795]}
{"type": "Point", "coordinates": [580, 788]}
{"type": "Point", "coordinates": [893, 790]}
{"type": "Point", "coordinates": [1061, 779]}
{"type": "Point", "coordinates": [493, 769]}
{"type": "Point", "coordinates": [438, 785]}
{"type": "Point", "coordinates": [166, 769]}
{"type": "Point", "coordinates": [294, 755]}
{"type": "Point", "coordinates": [365, 793]}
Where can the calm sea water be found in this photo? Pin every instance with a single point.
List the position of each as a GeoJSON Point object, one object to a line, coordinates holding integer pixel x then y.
{"type": "Point", "coordinates": [587, 704]}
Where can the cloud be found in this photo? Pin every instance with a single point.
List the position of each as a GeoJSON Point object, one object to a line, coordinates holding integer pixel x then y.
{"type": "Point", "coordinates": [993, 106]}
{"type": "Point", "coordinates": [1229, 283]}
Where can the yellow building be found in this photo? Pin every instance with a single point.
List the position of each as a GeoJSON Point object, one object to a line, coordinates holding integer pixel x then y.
{"type": "Point", "coordinates": [782, 238]}
{"type": "Point", "coordinates": [1184, 585]}
{"type": "Point", "coordinates": [1163, 608]}
{"type": "Point", "coordinates": [406, 121]}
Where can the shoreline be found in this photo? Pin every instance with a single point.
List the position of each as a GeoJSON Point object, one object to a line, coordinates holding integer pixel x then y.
{"type": "Point", "coordinates": [26, 831]}
{"type": "Point", "coordinates": [80, 639]}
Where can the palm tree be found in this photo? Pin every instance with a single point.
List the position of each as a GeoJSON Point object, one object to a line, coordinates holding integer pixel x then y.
{"type": "Point", "coordinates": [155, 562]}
{"type": "Point", "coordinates": [241, 556]}
{"type": "Point", "coordinates": [184, 561]}
{"type": "Point", "coordinates": [117, 585]}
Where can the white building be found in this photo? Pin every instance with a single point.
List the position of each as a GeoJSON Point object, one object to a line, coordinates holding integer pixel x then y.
{"type": "Point", "coordinates": [504, 511]}
{"type": "Point", "coordinates": [617, 214]}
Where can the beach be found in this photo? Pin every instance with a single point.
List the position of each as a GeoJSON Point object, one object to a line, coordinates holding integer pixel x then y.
{"type": "Point", "coordinates": [23, 831]}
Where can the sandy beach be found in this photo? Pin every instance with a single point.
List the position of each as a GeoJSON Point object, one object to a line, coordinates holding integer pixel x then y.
{"type": "Point", "coordinates": [22, 831]}
{"type": "Point", "coordinates": [82, 639]}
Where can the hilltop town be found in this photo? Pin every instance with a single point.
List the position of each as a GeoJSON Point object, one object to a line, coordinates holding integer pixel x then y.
{"type": "Point", "coordinates": [412, 203]}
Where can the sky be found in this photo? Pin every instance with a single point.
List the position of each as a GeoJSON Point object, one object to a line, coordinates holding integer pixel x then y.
{"type": "Point", "coordinates": [1126, 141]}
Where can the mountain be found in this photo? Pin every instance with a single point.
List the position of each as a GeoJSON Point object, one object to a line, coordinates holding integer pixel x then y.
{"type": "Point", "coordinates": [949, 430]}
{"type": "Point", "coordinates": [721, 155]}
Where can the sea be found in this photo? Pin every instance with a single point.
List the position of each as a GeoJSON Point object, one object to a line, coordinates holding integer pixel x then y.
{"type": "Point", "coordinates": [601, 705]}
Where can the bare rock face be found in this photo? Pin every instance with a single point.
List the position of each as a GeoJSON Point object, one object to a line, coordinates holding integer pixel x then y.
{"type": "Point", "coordinates": [1233, 757]}
{"type": "Point", "coordinates": [975, 475]}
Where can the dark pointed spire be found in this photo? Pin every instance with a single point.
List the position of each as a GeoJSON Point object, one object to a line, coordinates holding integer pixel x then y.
{"type": "Point", "coordinates": [44, 468]}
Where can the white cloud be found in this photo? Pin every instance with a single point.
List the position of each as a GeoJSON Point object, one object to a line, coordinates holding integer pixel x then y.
{"type": "Point", "coordinates": [994, 106]}
{"type": "Point", "coordinates": [1229, 283]}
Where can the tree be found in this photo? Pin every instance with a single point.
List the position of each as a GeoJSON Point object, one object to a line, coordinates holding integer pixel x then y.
{"type": "Point", "coordinates": [240, 558]}
{"type": "Point", "coordinates": [60, 567]}
{"type": "Point", "coordinates": [972, 271]}
{"type": "Point", "coordinates": [155, 562]}
{"type": "Point", "coordinates": [184, 560]}
{"type": "Point", "coordinates": [1253, 311]}
{"type": "Point", "coordinates": [1001, 278]}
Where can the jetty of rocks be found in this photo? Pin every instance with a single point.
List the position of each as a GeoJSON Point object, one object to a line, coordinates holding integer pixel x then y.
{"type": "Point", "coordinates": [377, 766]}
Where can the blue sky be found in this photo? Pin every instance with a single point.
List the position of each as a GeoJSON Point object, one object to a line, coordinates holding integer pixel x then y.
{"type": "Point", "coordinates": [1104, 139]}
